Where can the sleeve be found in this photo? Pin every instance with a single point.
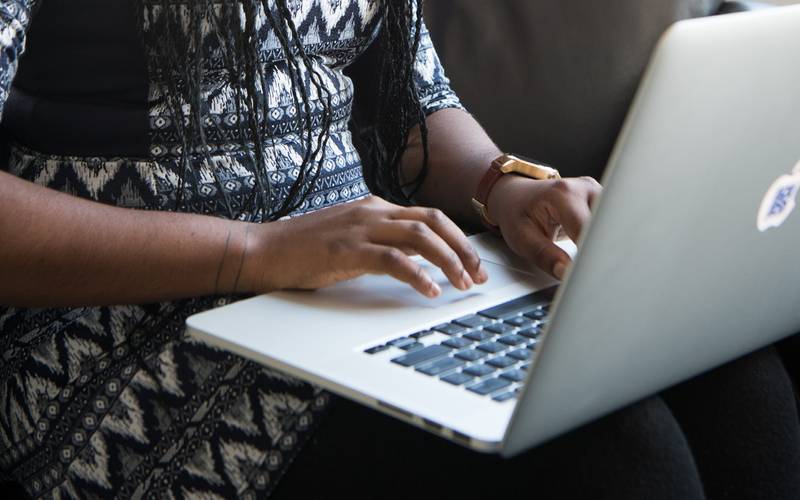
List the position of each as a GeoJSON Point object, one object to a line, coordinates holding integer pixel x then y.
{"type": "Point", "coordinates": [15, 17]}
{"type": "Point", "coordinates": [433, 85]}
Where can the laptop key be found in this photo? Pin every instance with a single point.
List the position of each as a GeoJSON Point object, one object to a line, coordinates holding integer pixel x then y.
{"type": "Point", "coordinates": [479, 370]}
{"type": "Point", "coordinates": [413, 346]}
{"type": "Point", "coordinates": [512, 340]}
{"type": "Point", "coordinates": [520, 321]}
{"type": "Point", "coordinates": [530, 332]}
{"type": "Point", "coordinates": [489, 386]}
{"type": "Point", "coordinates": [459, 378]}
{"type": "Point", "coordinates": [401, 342]}
{"type": "Point", "coordinates": [506, 396]}
{"type": "Point", "coordinates": [525, 303]}
{"type": "Point", "coordinates": [457, 342]}
{"type": "Point", "coordinates": [499, 328]}
{"type": "Point", "coordinates": [473, 321]}
{"type": "Point", "coordinates": [502, 361]}
{"type": "Point", "coordinates": [377, 349]}
{"type": "Point", "coordinates": [471, 355]}
{"type": "Point", "coordinates": [521, 354]}
{"type": "Point", "coordinates": [514, 375]}
{"type": "Point", "coordinates": [440, 366]}
{"type": "Point", "coordinates": [450, 329]}
{"type": "Point", "coordinates": [537, 314]}
{"type": "Point", "coordinates": [492, 347]}
{"type": "Point", "coordinates": [479, 335]}
{"type": "Point", "coordinates": [421, 334]}
{"type": "Point", "coordinates": [421, 355]}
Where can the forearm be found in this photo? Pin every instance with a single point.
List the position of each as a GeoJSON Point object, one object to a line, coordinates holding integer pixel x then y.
{"type": "Point", "coordinates": [60, 250]}
{"type": "Point", "coordinates": [460, 151]}
{"type": "Point", "coordinates": [528, 212]}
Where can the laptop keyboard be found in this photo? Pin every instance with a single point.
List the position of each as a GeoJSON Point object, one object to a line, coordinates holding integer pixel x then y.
{"type": "Point", "coordinates": [487, 353]}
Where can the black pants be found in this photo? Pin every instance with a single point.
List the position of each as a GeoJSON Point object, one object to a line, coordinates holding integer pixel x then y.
{"type": "Point", "coordinates": [731, 433]}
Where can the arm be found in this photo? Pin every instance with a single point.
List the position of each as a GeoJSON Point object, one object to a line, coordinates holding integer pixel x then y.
{"type": "Point", "coordinates": [60, 250]}
{"type": "Point", "coordinates": [459, 154]}
{"type": "Point", "coordinates": [57, 249]}
{"type": "Point", "coordinates": [528, 211]}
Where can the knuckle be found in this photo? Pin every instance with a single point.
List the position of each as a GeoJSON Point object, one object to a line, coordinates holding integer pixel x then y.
{"type": "Point", "coordinates": [419, 274]}
{"type": "Point", "coordinates": [392, 258]}
{"type": "Point", "coordinates": [471, 259]}
{"type": "Point", "coordinates": [434, 215]}
{"type": "Point", "coordinates": [418, 228]}
{"type": "Point", "coordinates": [590, 180]}
{"type": "Point", "coordinates": [563, 186]}
{"type": "Point", "coordinates": [592, 183]}
{"type": "Point", "coordinates": [453, 261]}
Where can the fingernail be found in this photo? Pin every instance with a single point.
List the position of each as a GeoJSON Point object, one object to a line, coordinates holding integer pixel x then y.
{"type": "Point", "coordinates": [466, 280]}
{"type": "Point", "coordinates": [559, 269]}
{"type": "Point", "coordinates": [483, 276]}
{"type": "Point", "coordinates": [434, 291]}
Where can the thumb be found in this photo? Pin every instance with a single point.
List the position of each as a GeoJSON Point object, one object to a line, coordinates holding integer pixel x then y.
{"type": "Point", "coordinates": [550, 257]}
{"type": "Point", "coordinates": [532, 242]}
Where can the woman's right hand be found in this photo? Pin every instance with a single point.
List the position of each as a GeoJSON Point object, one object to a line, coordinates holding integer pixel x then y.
{"type": "Point", "coordinates": [369, 236]}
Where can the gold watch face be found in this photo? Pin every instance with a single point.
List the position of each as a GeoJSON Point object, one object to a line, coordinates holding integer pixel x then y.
{"type": "Point", "coordinates": [513, 164]}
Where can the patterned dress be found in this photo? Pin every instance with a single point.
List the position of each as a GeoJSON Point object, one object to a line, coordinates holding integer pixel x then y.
{"type": "Point", "coordinates": [117, 401]}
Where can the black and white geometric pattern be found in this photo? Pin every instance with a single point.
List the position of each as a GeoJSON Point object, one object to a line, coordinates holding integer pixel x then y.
{"type": "Point", "coordinates": [15, 16]}
{"type": "Point", "coordinates": [117, 401]}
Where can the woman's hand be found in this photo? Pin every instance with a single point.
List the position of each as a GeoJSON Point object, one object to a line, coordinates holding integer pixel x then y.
{"type": "Point", "coordinates": [530, 212]}
{"type": "Point", "coordinates": [367, 236]}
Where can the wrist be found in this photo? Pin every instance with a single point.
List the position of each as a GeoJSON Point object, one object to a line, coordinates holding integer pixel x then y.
{"type": "Point", "coordinates": [235, 274]}
{"type": "Point", "coordinates": [495, 203]}
{"type": "Point", "coordinates": [496, 177]}
{"type": "Point", "coordinates": [265, 257]}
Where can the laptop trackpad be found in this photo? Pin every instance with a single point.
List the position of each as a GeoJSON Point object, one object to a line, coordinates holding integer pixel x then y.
{"type": "Point", "coordinates": [384, 292]}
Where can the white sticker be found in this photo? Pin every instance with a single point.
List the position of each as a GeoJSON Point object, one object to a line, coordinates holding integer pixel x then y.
{"type": "Point", "coordinates": [780, 200]}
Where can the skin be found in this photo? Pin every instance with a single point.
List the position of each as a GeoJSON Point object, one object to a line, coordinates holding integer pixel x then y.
{"type": "Point", "coordinates": [52, 255]}
{"type": "Point", "coordinates": [528, 211]}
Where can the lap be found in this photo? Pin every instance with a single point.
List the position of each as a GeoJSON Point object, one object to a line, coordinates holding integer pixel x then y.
{"type": "Point", "coordinates": [673, 446]}
{"type": "Point", "coordinates": [358, 451]}
{"type": "Point", "coordinates": [742, 423]}
{"type": "Point", "coordinates": [102, 401]}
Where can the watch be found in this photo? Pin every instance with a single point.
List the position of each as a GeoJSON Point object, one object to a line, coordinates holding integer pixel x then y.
{"type": "Point", "coordinates": [506, 164]}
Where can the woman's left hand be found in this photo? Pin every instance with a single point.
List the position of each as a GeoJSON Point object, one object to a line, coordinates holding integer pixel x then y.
{"type": "Point", "coordinates": [530, 213]}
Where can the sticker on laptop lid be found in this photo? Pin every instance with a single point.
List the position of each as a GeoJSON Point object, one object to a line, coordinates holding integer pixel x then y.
{"type": "Point", "coordinates": [780, 200]}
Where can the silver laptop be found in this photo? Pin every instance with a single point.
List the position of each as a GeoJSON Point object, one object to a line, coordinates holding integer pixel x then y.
{"type": "Point", "coordinates": [692, 259]}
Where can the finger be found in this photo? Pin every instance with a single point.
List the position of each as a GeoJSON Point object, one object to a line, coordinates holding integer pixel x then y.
{"type": "Point", "coordinates": [420, 237]}
{"type": "Point", "coordinates": [451, 234]}
{"type": "Point", "coordinates": [568, 206]}
{"type": "Point", "coordinates": [379, 259]}
{"type": "Point", "coordinates": [534, 243]}
{"type": "Point", "coordinates": [573, 214]}
{"type": "Point", "coordinates": [594, 189]}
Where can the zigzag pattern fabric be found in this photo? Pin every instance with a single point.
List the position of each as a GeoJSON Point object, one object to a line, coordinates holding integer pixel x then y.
{"type": "Point", "coordinates": [118, 401]}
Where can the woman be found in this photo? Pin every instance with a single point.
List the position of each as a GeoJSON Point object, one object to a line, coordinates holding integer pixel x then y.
{"type": "Point", "coordinates": [225, 125]}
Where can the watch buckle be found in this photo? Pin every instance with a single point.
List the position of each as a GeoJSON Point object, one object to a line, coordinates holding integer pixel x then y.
{"type": "Point", "coordinates": [483, 212]}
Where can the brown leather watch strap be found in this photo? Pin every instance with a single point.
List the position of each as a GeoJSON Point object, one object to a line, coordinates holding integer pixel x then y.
{"type": "Point", "coordinates": [480, 201]}
{"type": "Point", "coordinates": [502, 165]}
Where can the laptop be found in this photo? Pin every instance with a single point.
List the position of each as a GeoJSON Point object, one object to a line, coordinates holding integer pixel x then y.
{"type": "Point", "coordinates": [691, 260]}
